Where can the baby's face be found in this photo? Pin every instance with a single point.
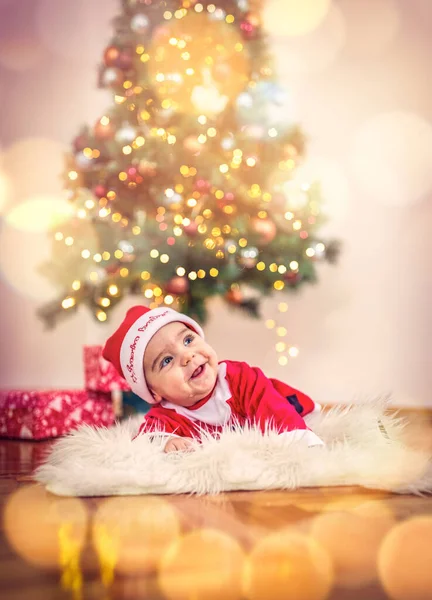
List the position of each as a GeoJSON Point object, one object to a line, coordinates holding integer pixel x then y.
{"type": "Point", "coordinates": [179, 365]}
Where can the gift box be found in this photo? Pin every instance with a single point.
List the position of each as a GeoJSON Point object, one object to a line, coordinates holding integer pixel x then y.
{"type": "Point", "coordinates": [42, 414]}
{"type": "Point", "coordinates": [99, 374]}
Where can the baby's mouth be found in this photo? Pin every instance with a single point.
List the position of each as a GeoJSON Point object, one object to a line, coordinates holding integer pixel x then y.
{"type": "Point", "coordinates": [198, 371]}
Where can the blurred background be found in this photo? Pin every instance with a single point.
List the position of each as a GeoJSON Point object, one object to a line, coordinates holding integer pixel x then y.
{"type": "Point", "coordinates": [358, 75]}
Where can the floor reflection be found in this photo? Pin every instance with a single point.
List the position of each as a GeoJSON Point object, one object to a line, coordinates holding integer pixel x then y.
{"type": "Point", "coordinates": [310, 544]}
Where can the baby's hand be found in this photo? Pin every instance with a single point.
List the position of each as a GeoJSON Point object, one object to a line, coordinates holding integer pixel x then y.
{"type": "Point", "coordinates": [175, 444]}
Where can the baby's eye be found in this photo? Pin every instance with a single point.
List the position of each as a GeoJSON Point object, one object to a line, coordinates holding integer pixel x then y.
{"type": "Point", "coordinates": [188, 339]}
{"type": "Point", "coordinates": [166, 361]}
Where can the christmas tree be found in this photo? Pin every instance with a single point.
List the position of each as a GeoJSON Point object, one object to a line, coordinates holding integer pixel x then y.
{"type": "Point", "coordinates": [186, 187]}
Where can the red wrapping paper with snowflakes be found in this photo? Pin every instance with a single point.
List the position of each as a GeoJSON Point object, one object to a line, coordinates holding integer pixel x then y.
{"type": "Point", "coordinates": [99, 374]}
{"type": "Point", "coordinates": [41, 414]}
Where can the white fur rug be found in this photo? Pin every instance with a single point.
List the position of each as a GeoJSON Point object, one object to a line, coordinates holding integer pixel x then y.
{"type": "Point", "coordinates": [364, 446]}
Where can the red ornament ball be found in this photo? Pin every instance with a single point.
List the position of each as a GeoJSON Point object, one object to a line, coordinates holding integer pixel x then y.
{"type": "Point", "coordinates": [100, 190]}
{"type": "Point", "coordinates": [248, 29]}
{"type": "Point", "coordinates": [104, 132]}
{"type": "Point", "coordinates": [234, 296]}
{"type": "Point", "coordinates": [191, 230]}
{"type": "Point", "coordinates": [133, 175]}
{"type": "Point", "coordinates": [266, 229]}
{"type": "Point", "coordinates": [292, 277]}
{"type": "Point", "coordinates": [202, 185]}
{"type": "Point", "coordinates": [112, 269]}
{"type": "Point", "coordinates": [111, 56]}
{"type": "Point", "coordinates": [125, 60]}
{"type": "Point", "coordinates": [177, 285]}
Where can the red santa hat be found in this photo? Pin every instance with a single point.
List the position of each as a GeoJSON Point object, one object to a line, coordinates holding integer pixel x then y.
{"type": "Point", "coordinates": [126, 347]}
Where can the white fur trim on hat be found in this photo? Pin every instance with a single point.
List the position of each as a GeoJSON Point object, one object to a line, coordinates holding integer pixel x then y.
{"type": "Point", "coordinates": [135, 343]}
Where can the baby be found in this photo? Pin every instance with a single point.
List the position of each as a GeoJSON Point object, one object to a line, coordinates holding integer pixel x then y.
{"type": "Point", "coordinates": [164, 357]}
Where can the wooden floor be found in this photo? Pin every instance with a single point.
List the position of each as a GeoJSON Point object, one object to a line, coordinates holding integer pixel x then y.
{"type": "Point", "coordinates": [313, 544]}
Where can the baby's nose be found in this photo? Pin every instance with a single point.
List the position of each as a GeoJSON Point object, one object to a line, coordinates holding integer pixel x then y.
{"type": "Point", "coordinates": [188, 355]}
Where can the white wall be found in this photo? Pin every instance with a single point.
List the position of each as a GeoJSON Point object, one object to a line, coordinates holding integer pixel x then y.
{"type": "Point", "coordinates": [361, 90]}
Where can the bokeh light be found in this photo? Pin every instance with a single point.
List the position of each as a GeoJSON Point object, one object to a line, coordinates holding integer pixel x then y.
{"type": "Point", "coordinates": [205, 564]}
{"type": "Point", "coordinates": [131, 534]}
{"type": "Point", "coordinates": [33, 166]}
{"type": "Point", "coordinates": [76, 239]}
{"type": "Point", "coordinates": [21, 255]}
{"type": "Point", "coordinates": [368, 36]}
{"type": "Point", "coordinates": [288, 565]}
{"type": "Point", "coordinates": [40, 527]}
{"type": "Point", "coordinates": [199, 62]}
{"type": "Point", "coordinates": [405, 560]}
{"type": "Point", "coordinates": [352, 536]}
{"type": "Point", "coordinates": [391, 158]}
{"type": "Point", "coordinates": [39, 214]}
{"type": "Point", "coordinates": [332, 181]}
{"type": "Point", "coordinates": [313, 51]}
{"type": "Point", "coordinates": [331, 499]}
{"type": "Point", "coordinates": [270, 105]}
{"type": "Point", "coordinates": [4, 191]}
{"type": "Point", "coordinates": [68, 29]}
{"type": "Point", "coordinates": [294, 17]}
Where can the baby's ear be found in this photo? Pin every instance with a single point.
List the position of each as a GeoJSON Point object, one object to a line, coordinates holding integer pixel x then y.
{"type": "Point", "coordinates": [156, 398]}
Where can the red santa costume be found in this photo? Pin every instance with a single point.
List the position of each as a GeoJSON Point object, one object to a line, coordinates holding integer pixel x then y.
{"type": "Point", "coordinates": [242, 394]}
